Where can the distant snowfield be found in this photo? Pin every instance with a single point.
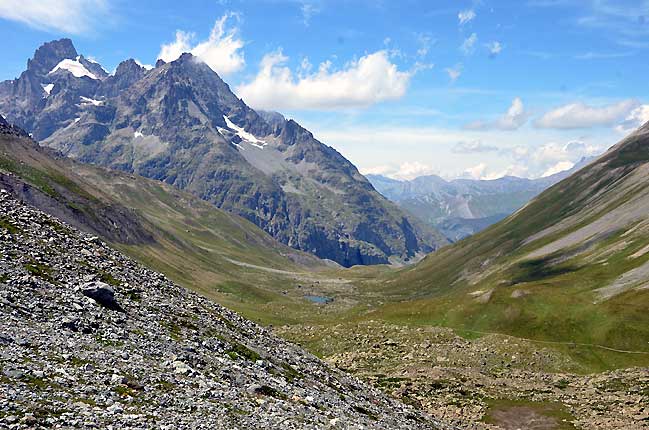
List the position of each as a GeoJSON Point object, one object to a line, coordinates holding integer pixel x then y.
{"type": "Point", "coordinates": [243, 134]}
{"type": "Point", "coordinates": [75, 67]}
{"type": "Point", "coordinates": [85, 101]}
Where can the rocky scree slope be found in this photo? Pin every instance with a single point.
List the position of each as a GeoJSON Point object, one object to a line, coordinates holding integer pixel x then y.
{"type": "Point", "coordinates": [492, 382]}
{"type": "Point", "coordinates": [181, 124]}
{"type": "Point", "coordinates": [88, 338]}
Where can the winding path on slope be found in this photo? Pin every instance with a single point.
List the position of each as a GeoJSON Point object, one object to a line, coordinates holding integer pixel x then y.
{"type": "Point", "coordinates": [549, 342]}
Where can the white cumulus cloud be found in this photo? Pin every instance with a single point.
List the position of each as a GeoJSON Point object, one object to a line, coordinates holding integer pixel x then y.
{"type": "Point", "coordinates": [475, 172]}
{"type": "Point", "coordinates": [382, 169]}
{"type": "Point", "coordinates": [222, 50]}
{"type": "Point", "coordinates": [411, 170]}
{"type": "Point", "coordinates": [494, 48]}
{"type": "Point", "coordinates": [171, 51]}
{"type": "Point", "coordinates": [371, 79]}
{"type": "Point", "coordinates": [466, 16]}
{"type": "Point", "coordinates": [559, 167]}
{"type": "Point", "coordinates": [454, 72]}
{"type": "Point", "coordinates": [468, 46]}
{"type": "Point", "coordinates": [68, 16]}
{"type": "Point", "coordinates": [404, 171]}
{"type": "Point", "coordinates": [518, 170]}
{"type": "Point", "coordinates": [483, 172]}
{"type": "Point", "coordinates": [513, 119]}
{"type": "Point", "coordinates": [554, 157]}
{"type": "Point", "coordinates": [580, 115]}
{"type": "Point", "coordinates": [637, 117]}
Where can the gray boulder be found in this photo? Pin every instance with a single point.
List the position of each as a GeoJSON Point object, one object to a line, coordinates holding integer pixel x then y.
{"type": "Point", "coordinates": [101, 293]}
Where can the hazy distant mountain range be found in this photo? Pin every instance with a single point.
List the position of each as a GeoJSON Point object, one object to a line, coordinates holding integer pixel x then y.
{"type": "Point", "coordinates": [462, 207]}
{"type": "Point", "coordinates": [180, 123]}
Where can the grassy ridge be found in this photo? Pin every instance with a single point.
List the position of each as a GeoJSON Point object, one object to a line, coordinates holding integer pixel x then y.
{"type": "Point", "coordinates": [502, 280]}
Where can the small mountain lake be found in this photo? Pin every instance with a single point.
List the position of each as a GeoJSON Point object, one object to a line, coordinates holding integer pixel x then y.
{"type": "Point", "coordinates": [322, 300]}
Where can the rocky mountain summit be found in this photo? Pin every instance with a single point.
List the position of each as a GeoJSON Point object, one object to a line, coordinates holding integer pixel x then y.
{"type": "Point", "coordinates": [90, 339]}
{"type": "Point", "coordinates": [180, 123]}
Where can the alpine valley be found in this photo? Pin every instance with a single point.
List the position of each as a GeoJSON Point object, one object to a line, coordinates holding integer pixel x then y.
{"type": "Point", "coordinates": [171, 258]}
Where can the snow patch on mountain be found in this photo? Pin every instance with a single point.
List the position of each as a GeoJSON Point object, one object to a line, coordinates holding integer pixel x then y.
{"type": "Point", "coordinates": [48, 88]}
{"type": "Point", "coordinates": [85, 101]}
{"type": "Point", "coordinates": [225, 133]}
{"type": "Point", "coordinates": [243, 134]}
{"type": "Point", "coordinates": [77, 69]}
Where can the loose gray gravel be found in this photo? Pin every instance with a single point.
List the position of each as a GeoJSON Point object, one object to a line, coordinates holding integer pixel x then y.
{"type": "Point", "coordinates": [91, 339]}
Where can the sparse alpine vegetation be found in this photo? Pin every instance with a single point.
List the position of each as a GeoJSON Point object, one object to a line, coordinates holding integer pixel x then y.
{"type": "Point", "coordinates": [571, 266]}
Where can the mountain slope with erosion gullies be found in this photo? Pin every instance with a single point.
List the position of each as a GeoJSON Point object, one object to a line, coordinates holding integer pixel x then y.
{"type": "Point", "coordinates": [199, 246]}
{"type": "Point", "coordinates": [181, 124]}
{"type": "Point", "coordinates": [91, 339]}
{"type": "Point", "coordinates": [570, 266]}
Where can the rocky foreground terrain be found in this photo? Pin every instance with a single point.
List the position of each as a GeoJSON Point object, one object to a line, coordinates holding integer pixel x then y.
{"type": "Point", "coordinates": [90, 339]}
{"type": "Point", "coordinates": [494, 382]}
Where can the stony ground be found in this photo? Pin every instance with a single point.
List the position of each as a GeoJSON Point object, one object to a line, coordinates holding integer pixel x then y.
{"type": "Point", "coordinates": [90, 339]}
{"type": "Point", "coordinates": [480, 383]}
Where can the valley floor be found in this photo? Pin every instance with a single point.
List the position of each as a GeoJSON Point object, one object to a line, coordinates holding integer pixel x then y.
{"type": "Point", "coordinates": [478, 381]}
{"type": "Point", "coordinates": [491, 382]}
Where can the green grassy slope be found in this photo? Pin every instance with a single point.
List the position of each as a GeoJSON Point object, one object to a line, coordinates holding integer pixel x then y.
{"type": "Point", "coordinates": [221, 255]}
{"type": "Point", "coordinates": [568, 267]}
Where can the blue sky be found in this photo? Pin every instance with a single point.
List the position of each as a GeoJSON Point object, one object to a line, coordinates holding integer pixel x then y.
{"type": "Point", "coordinates": [403, 88]}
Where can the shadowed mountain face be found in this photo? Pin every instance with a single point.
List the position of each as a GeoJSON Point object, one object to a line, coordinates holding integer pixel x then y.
{"type": "Point", "coordinates": [181, 124]}
{"type": "Point", "coordinates": [462, 207]}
